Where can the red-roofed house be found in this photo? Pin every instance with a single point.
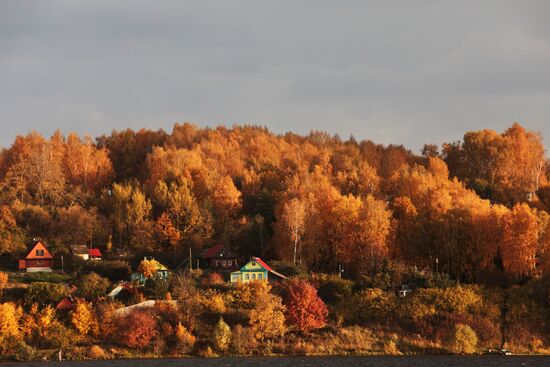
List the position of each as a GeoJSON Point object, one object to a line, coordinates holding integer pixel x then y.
{"type": "Point", "coordinates": [94, 254]}
{"type": "Point", "coordinates": [255, 269]}
{"type": "Point", "coordinates": [66, 304]}
{"type": "Point", "coordinates": [220, 258]}
{"type": "Point", "coordinates": [38, 259]}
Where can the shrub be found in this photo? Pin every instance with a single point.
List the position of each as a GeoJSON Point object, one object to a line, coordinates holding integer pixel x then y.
{"type": "Point", "coordinates": [370, 305]}
{"type": "Point", "coordinates": [247, 294]}
{"type": "Point", "coordinates": [45, 293]}
{"type": "Point", "coordinates": [114, 270]}
{"type": "Point", "coordinates": [463, 339]}
{"type": "Point", "coordinates": [137, 329]}
{"type": "Point", "coordinates": [458, 300]}
{"type": "Point", "coordinates": [96, 352]}
{"type": "Point", "coordinates": [156, 287]}
{"type": "Point", "coordinates": [304, 309]}
{"type": "Point", "coordinates": [22, 351]}
{"type": "Point", "coordinates": [213, 302]}
{"type": "Point", "coordinates": [107, 320]}
{"type": "Point", "coordinates": [221, 336]}
{"type": "Point", "coordinates": [390, 348]}
{"type": "Point", "coordinates": [92, 286]}
{"type": "Point", "coordinates": [243, 340]}
{"type": "Point", "coordinates": [184, 339]}
{"type": "Point", "coordinates": [334, 289]}
{"type": "Point", "coordinates": [215, 279]}
{"type": "Point", "coordinates": [59, 336]}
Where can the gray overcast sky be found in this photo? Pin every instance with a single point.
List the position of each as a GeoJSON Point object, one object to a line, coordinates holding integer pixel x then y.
{"type": "Point", "coordinates": [407, 72]}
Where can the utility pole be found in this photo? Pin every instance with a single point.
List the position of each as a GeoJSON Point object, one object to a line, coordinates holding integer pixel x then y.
{"type": "Point", "coordinates": [190, 260]}
{"type": "Point", "coordinates": [62, 267]}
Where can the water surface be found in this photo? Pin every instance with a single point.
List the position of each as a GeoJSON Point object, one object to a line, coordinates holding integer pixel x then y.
{"type": "Point", "coordinates": [381, 361]}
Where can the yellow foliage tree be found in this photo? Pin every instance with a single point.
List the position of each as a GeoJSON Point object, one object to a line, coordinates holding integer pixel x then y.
{"type": "Point", "coordinates": [3, 282]}
{"type": "Point", "coordinates": [10, 314]}
{"type": "Point", "coordinates": [84, 319]}
{"type": "Point", "coordinates": [463, 339]}
{"type": "Point", "coordinates": [147, 268]}
{"type": "Point", "coordinates": [247, 293]}
{"type": "Point", "coordinates": [185, 340]}
{"type": "Point", "coordinates": [267, 318]}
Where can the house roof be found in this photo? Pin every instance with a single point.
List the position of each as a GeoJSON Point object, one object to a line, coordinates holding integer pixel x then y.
{"type": "Point", "coordinates": [79, 249]}
{"type": "Point", "coordinates": [64, 305]}
{"type": "Point", "coordinates": [119, 288]}
{"type": "Point", "coordinates": [95, 252]}
{"type": "Point", "coordinates": [217, 251]}
{"type": "Point", "coordinates": [262, 263]}
{"type": "Point", "coordinates": [39, 246]}
{"type": "Point", "coordinates": [158, 265]}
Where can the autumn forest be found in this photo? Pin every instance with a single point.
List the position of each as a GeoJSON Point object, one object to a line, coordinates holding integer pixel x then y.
{"type": "Point", "coordinates": [349, 216]}
{"type": "Point", "coordinates": [479, 206]}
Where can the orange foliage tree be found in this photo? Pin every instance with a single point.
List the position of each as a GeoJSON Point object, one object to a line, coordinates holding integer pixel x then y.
{"type": "Point", "coordinates": [520, 239]}
{"type": "Point", "coordinates": [304, 309]}
{"type": "Point", "coordinates": [137, 329]}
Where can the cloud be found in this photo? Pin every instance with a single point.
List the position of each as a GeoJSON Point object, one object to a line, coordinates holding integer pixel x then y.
{"type": "Point", "coordinates": [393, 72]}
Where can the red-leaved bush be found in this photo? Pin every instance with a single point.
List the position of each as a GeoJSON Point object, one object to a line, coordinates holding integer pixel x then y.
{"type": "Point", "coordinates": [137, 329]}
{"type": "Point", "coordinates": [304, 309]}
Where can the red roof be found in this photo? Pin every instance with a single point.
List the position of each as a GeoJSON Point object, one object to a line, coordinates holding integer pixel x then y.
{"type": "Point", "coordinates": [64, 305]}
{"type": "Point", "coordinates": [262, 263]}
{"type": "Point", "coordinates": [94, 252]}
{"type": "Point", "coordinates": [213, 251]}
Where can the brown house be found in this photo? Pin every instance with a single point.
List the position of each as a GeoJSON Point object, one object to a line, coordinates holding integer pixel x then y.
{"type": "Point", "coordinates": [38, 259]}
{"type": "Point", "coordinates": [220, 258]}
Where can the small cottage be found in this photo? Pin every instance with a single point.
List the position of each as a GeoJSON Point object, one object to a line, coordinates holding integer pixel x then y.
{"type": "Point", "coordinates": [255, 269]}
{"type": "Point", "coordinates": [80, 251]}
{"type": "Point", "coordinates": [39, 259]}
{"type": "Point", "coordinates": [123, 292]}
{"type": "Point", "coordinates": [94, 254]}
{"type": "Point", "coordinates": [85, 253]}
{"type": "Point", "coordinates": [219, 258]}
{"type": "Point", "coordinates": [160, 271]}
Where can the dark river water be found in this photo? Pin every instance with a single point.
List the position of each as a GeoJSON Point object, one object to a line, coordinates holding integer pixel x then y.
{"type": "Point", "coordinates": [423, 361]}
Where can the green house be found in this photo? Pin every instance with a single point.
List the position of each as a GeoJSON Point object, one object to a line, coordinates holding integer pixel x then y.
{"type": "Point", "coordinates": [161, 271]}
{"type": "Point", "coordinates": [255, 269]}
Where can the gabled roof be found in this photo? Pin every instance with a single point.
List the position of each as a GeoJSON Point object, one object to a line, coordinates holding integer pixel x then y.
{"type": "Point", "coordinates": [119, 288]}
{"type": "Point", "coordinates": [39, 246]}
{"type": "Point", "coordinates": [262, 263]}
{"type": "Point", "coordinates": [217, 251]}
{"type": "Point", "coordinates": [64, 305]}
{"type": "Point", "coordinates": [158, 265]}
{"type": "Point", "coordinates": [79, 249]}
{"type": "Point", "coordinates": [265, 266]}
{"type": "Point", "coordinates": [95, 252]}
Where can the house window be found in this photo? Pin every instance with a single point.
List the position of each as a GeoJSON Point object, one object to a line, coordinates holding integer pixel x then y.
{"type": "Point", "coordinates": [224, 263]}
{"type": "Point", "coordinates": [217, 262]}
{"type": "Point", "coordinates": [259, 276]}
{"type": "Point", "coordinates": [253, 276]}
{"type": "Point", "coordinates": [229, 262]}
{"type": "Point", "coordinates": [39, 252]}
{"type": "Point", "coordinates": [247, 277]}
